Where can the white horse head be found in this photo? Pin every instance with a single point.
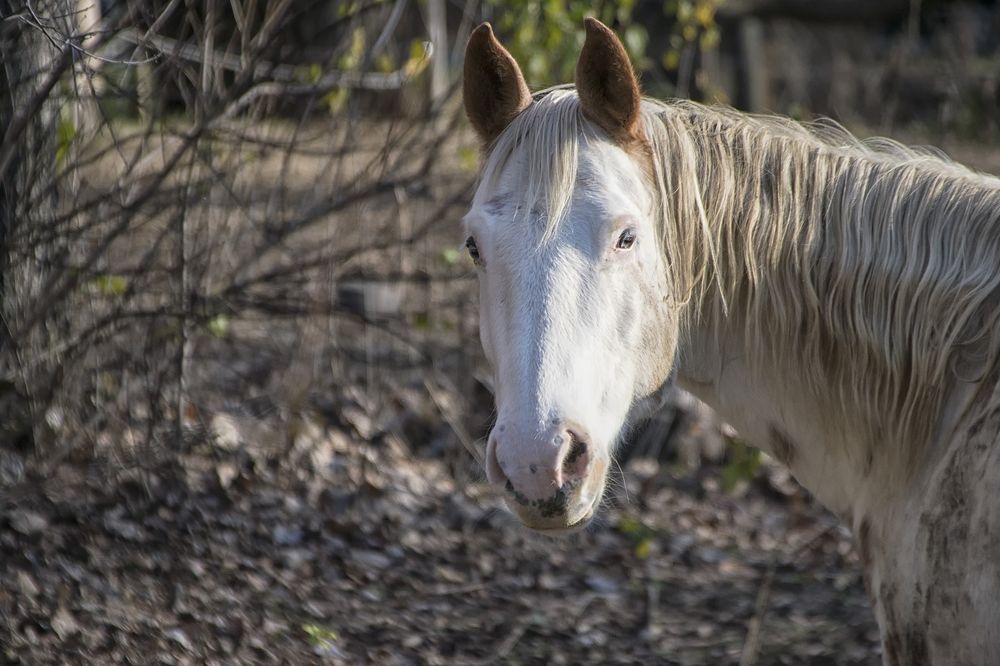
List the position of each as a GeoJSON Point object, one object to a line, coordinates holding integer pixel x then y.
{"type": "Point", "coordinates": [575, 313]}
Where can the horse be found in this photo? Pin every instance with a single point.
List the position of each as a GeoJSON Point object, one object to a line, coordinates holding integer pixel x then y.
{"type": "Point", "coordinates": [836, 300]}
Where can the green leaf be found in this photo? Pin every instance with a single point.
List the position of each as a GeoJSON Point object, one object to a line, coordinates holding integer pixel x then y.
{"type": "Point", "coordinates": [384, 63]}
{"type": "Point", "coordinates": [320, 637]}
{"type": "Point", "coordinates": [744, 461]}
{"type": "Point", "coordinates": [641, 535]}
{"type": "Point", "coordinates": [704, 14]}
{"type": "Point", "coordinates": [218, 325]}
{"type": "Point", "coordinates": [65, 133]}
{"type": "Point", "coordinates": [671, 59]}
{"type": "Point", "coordinates": [336, 100]}
{"type": "Point", "coordinates": [110, 285]}
{"type": "Point", "coordinates": [421, 321]}
{"type": "Point", "coordinates": [710, 38]}
{"type": "Point", "coordinates": [418, 60]}
{"type": "Point", "coordinates": [468, 158]}
{"type": "Point", "coordinates": [630, 525]}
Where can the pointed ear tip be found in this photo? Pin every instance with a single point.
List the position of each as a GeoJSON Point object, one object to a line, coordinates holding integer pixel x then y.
{"type": "Point", "coordinates": [481, 40]}
{"type": "Point", "coordinates": [483, 31]}
{"type": "Point", "coordinates": [594, 27]}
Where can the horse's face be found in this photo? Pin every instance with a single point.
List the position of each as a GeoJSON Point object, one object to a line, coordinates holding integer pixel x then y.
{"type": "Point", "coordinates": [575, 325]}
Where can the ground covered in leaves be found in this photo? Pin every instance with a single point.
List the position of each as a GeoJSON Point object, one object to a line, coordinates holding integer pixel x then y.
{"type": "Point", "coordinates": [327, 549]}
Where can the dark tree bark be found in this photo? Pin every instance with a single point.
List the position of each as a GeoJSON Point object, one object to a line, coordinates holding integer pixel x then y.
{"type": "Point", "coordinates": [32, 67]}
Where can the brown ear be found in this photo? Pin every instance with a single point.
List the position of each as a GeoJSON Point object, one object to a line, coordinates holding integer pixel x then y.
{"type": "Point", "coordinates": [493, 89]}
{"type": "Point", "coordinates": [606, 83]}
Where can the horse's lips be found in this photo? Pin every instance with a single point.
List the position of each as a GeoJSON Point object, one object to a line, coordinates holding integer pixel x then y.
{"type": "Point", "coordinates": [595, 484]}
{"type": "Point", "coordinates": [577, 525]}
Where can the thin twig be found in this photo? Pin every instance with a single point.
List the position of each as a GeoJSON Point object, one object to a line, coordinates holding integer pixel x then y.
{"type": "Point", "coordinates": [68, 41]}
{"type": "Point", "coordinates": [277, 73]}
{"type": "Point", "coordinates": [453, 423]}
{"type": "Point", "coordinates": [752, 643]}
{"type": "Point", "coordinates": [17, 126]}
{"type": "Point", "coordinates": [507, 646]}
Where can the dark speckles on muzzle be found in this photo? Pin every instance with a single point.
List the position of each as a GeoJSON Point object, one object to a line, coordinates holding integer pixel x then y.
{"type": "Point", "coordinates": [550, 479]}
{"type": "Point", "coordinates": [556, 505]}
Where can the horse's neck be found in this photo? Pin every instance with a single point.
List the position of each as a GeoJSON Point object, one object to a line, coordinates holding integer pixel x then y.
{"type": "Point", "coordinates": [774, 415]}
{"type": "Point", "coordinates": [788, 421]}
{"type": "Point", "coordinates": [809, 400]}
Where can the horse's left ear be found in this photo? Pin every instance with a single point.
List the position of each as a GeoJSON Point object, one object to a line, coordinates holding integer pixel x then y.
{"type": "Point", "coordinates": [607, 86]}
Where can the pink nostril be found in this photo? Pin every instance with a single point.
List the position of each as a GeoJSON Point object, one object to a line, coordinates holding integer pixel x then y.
{"type": "Point", "coordinates": [577, 459]}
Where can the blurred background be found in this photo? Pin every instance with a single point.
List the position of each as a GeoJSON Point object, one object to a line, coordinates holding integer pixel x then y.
{"type": "Point", "coordinates": [242, 398]}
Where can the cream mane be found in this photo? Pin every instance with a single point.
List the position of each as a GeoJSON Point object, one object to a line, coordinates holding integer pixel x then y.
{"type": "Point", "coordinates": [865, 268]}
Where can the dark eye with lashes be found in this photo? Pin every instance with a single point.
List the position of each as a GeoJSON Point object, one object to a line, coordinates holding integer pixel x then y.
{"type": "Point", "coordinates": [626, 240]}
{"type": "Point", "coordinates": [470, 245]}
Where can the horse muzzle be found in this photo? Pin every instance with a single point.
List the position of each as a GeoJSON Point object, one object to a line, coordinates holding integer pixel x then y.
{"type": "Point", "coordinates": [552, 482]}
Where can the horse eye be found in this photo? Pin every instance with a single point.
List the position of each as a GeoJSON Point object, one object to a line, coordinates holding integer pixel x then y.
{"type": "Point", "coordinates": [626, 240]}
{"type": "Point", "coordinates": [470, 245]}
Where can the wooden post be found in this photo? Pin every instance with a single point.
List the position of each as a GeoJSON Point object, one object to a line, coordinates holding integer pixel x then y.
{"type": "Point", "coordinates": [437, 26]}
{"type": "Point", "coordinates": [752, 58]}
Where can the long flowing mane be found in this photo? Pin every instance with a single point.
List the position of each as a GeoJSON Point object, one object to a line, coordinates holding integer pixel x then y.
{"type": "Point", "coordinates": [868, 270]}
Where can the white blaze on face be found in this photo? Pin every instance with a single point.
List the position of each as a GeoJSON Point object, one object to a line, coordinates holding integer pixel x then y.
{"type": "Point", "coordinates": [564, 321]}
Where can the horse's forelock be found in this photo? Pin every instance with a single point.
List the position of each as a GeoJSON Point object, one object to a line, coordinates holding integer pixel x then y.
{"type": "Point", "coordinates": [547, 137]}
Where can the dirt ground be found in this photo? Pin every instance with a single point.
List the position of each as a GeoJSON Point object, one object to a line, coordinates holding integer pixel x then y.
{"type": "Point", "coordinates": [324, 548]}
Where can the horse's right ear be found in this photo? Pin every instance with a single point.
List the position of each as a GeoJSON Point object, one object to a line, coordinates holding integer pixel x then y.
{"type": "Point", "coordinates": [494, 89]}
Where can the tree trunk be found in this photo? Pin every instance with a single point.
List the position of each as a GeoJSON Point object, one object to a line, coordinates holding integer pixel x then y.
{"type": "Point", "coordinates": [31, 71]}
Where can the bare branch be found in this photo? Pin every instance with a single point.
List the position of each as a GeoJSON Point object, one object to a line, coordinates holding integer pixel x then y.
{"type": "Point", "coordinates": [57, 68]}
